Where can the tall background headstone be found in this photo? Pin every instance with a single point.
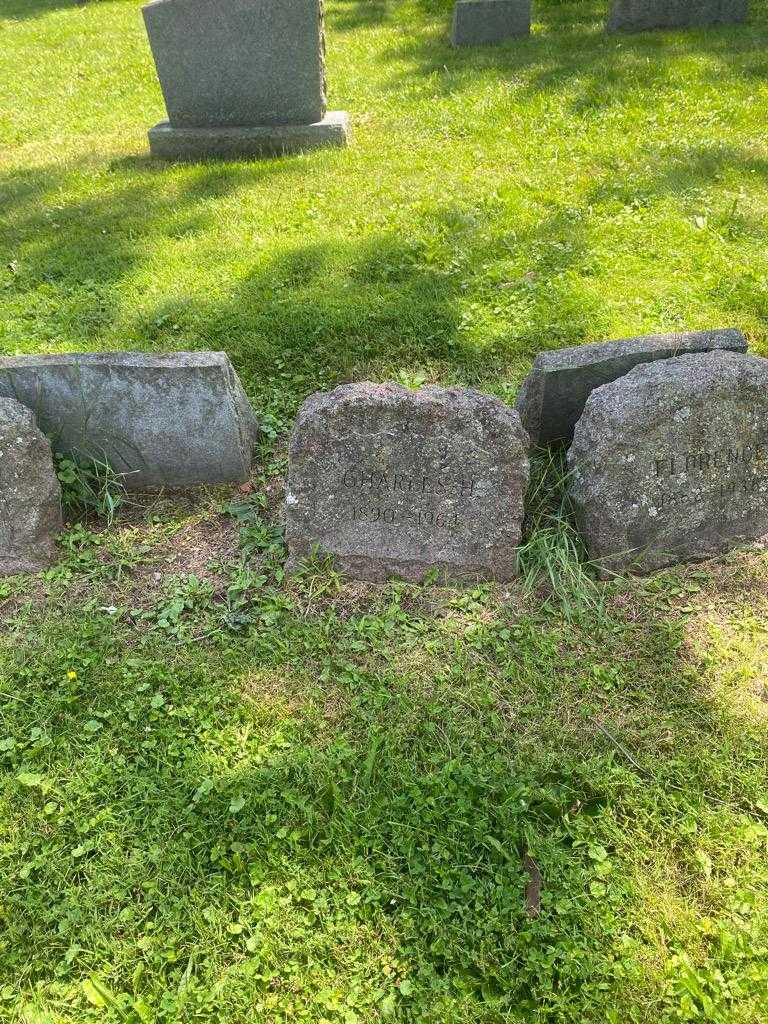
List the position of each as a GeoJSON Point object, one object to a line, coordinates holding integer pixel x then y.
{"type": "Point", "coordinates": [240, 78]}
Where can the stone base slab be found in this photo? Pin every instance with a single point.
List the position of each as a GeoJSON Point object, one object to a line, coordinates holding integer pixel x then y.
{"type": "Point", "coordinates": [167, 142]}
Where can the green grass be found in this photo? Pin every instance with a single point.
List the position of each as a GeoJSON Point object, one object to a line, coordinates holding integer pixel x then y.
{"type": "Point", "coordinates": [229, 797]}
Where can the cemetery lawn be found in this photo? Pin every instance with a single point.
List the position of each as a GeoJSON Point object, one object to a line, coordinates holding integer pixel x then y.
{"type": "Point", "coordinates": [228, 797]}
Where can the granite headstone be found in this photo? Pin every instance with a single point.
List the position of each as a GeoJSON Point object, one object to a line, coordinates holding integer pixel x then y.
{"type": "Point", "coordinates": [670, 462]}
{"type": "Point", "coordinates": [639, 15]}
{"type": "Point", "coordinates": [30, 495]}
{"type": "Point", "coordinates": [240, 78]}
{"type": "Point", "coordinates": [553, 395]}
{"type": "Point", "coordinates": [487, 22]}
{"type": "Point", "coordinates": [399, 483]}
{"type": "Point", "coordinates": [162, 420]}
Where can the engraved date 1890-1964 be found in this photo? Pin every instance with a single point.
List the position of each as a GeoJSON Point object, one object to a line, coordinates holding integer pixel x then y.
{"type": "Point", "coordinates": [404, 516]}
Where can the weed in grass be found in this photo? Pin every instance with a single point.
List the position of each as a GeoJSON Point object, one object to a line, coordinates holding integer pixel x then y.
{"type": "Point", "coordinates": [257, 535]}
{"type": "Point", "coordinates": [186, 601]}
{"type": "Point", "coordinates": [90, 486]}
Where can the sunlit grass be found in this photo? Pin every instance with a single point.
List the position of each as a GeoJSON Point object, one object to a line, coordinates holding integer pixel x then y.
{"type": "Point", "coordinates": [228, 797]}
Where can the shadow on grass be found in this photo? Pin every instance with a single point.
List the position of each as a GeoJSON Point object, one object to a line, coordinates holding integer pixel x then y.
{"type": "Point", "coordinates": [569, 53]}
{"type": "Point", "coordinates": [377, 818]}
{"type": "Point", "coordinates": [299, 317]}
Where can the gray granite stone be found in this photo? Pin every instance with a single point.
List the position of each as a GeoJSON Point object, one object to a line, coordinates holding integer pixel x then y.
{"type": "Point", "coordinates": [239, 62]}
{"type": "Point", "coordinates": [164, 420]}
{"type": "Point", "coordinates": [486, 22]}
{"type": "Point", "coordinates": [554, 394]}
{"type": "Point", "coordinates": [670, 462]}
{"type": "Point", "coordinates": [30, 495]}
{"type": "Point", "coordinates": [398, 483]}
{"type": "Point", "coordinates": [638, 15]}
{"type": "Point", "coordinates": [195, 144]}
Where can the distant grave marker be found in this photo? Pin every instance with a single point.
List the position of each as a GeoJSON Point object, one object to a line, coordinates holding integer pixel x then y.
{"type": "Point", "coordinates": [639, 15]}
{"type": "Point", "coordinates": [487, 22]}
{"type": "Point", "coordinates": [670, 462]}
{"type": "Point", "coordinates": [393, 482]}
{"type": "Point", "coordinates": [30, 495]}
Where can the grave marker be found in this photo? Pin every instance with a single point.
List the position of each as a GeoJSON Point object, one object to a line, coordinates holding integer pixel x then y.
{"type": "Point", "coordinates": [487, 22]}
{"type": "Point", "coordinates": [554, 393]}
{"type": "Point", "coordinates": [172, 420]}
{"type": "Point", "coordinates": [393, 482]}
{"type": "Point", "coordinates": [670, 462]}
{"type": "Point", "coordinates": [240, 78]}
{"type": "Point", "coordinates": [639, 15]}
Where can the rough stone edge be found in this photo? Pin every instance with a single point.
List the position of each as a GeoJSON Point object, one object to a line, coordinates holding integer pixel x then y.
{"type": "Point", "coordinates": [246, 421]}
{"type": "Point", "coordinates": [690, 343]}
{"type": "Point", "coordinates": [529, 404]}
{"type": "Point", "coordinates": [25, 563]}
{"type": "Point", "coordinates": [199, 144]}
{"type": "Point", "coordinates": [531, 396]}
{"type": "Point", "coordinates": [319, 400]}
{"type": "Point", "coordinates": [120, 357]}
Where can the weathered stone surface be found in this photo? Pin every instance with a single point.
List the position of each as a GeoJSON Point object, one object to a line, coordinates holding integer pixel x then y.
{"type": "Point", "coordinates": [393, 482]}
{"type": "Point", "coordinates": [164, 420]}
{"type": "Point", "coordinates": [638, 15]}
{"type": "Point", "coordinates": [670, 462]}
{"type": "Point", "coordinates": [239, 62]}
{"type": "Point", "coordinates": [553, 395]}
{"type": "Point", "coordinates": [30, 495]}
{"type": "Point", "coordinates": [193, 144]}
{"type": "Point", "coordinates": [486, 22]}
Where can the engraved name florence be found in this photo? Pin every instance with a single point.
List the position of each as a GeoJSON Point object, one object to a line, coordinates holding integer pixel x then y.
{"type": "Point", "coordinates": [719, 474]}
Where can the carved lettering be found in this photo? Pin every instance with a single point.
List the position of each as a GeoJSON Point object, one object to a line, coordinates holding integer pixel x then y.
{"type": "Point", "coordinates": [439, 518]}
{"type": "Point", "coordinates": [392, 481]}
